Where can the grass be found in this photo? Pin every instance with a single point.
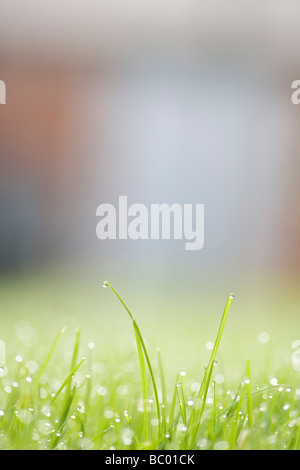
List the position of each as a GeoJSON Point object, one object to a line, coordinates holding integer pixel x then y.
{"type": "Point", "coordinates": [110, 403]}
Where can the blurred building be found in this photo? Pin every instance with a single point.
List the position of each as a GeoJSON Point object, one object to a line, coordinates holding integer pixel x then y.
{"type": "Point", "coordinates": [176, 102]}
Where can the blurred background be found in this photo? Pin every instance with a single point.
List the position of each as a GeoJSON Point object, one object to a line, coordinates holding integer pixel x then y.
{"type": "Point", "coordinates": [174, 101]}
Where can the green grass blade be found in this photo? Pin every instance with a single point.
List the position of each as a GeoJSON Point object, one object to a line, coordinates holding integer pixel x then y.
{"type": "Point", "coordinates": [48, 357]}
{"type": "Point", "coordinates": [66, 381]}
{"type": "Point", "coordinates": [197, 413]}
{"type": "Point", "coordinates": [216, 344]}
{"type": "Point", "coordinates": [181, 401]}
{"type": "Point", "coordinates": [151, 375]}
{"type": "Point", "coordinates": [144, 385]}
{"type": "Point", "coordinates": [140, 341]}
{"type": "Point", "coordinates": [74, 355]}
{"type": "Point", "coordinates": [164, 390]}
{"type": "Point", "coordinates": [249, 397]}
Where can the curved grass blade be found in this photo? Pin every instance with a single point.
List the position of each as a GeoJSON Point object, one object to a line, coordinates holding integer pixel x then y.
{"type": "Point", "coordinates": [48, 357]}
{"type": "Point", "coordinates": [197, 413]}
{"type": "Point", "coordinates": [164, 390]}
{"type": "Point", "coordinates": [142, 351]}
{"type": "Point", "coordinates": [67, 380]}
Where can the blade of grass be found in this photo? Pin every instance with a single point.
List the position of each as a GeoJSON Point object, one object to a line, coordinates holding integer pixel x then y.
{"type": "Point", "coordinates": [164, 390]}
{"type": "Point", "coordinates": [144, 386]}
{"type": "Point", "coordinates": [173, 402]}
{"type": "Point", "coordinates": [74, 357]}
{"type": "Point", "coordinates": [140, 343]}
{"type": "Point", "coordinates": [249, 397]}
{"type": "Point", "coordinates": [197, 413]}
{"type": "Point", "coordinates": [63, 418]}
{"type": "Point", "coordinates": [141, 362]}
{"type": "Point", "coordinates": [66, 381]}
{"type": "Point", "coordinates": [48, 357]}
{"type": "Point", "coordinates": [151, 375]}
{"type": "Point", "coordinates": [234, 431]}
{"type": "Point", "coordinates": [181, 401]}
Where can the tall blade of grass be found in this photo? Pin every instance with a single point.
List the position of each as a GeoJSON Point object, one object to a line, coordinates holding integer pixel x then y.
{"type": "Point", "coordinates": [200, 411]}
{"type": "Point", "coordinates": [63, 418]}
{"type": "Point", "coordinates": [74, 357]}
{"type": "Point", "coordinates": [216, 344]}
{"type": "Point", "coordinates": [164, 390]}
{"type": "Point", "coordinates": [76, 348]}
{"type": "Point", "coordinates": [211, 423]}
{"type": "Point", "coordinates": [48, 358]}
{"type": "Point", "coordinates": [181, 401]}
{"type": "Point", "coordinates": [140, 341]}
{"type": "Point", "coordinates": [197, 413]}
{"type": "Point", "coordinates": [144, 385]}
{"type": "Point", "coordinates": [88, 389]}
{"type": "Point", "coordinates": [151, 375]}
{"type": "Point", "coordinates": [173, 402]}
{"type": "Point", "coordinates": [67, 380]}
{"type": "Point", "coordinates": [249, 397]}
{"type": "Point", "coordinates": [236, 424]}
{"type": "Point", "coordinates": [141, 362]}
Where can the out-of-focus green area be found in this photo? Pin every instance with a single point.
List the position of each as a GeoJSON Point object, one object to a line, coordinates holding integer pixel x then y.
{"type": "Point", "coordinates": [182, 320]}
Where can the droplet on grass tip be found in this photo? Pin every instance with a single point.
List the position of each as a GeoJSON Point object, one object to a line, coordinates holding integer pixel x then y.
{"type": "Point", "coordinates": [105, 284]}
{"type": "Point", "coordinates": [231, 295]}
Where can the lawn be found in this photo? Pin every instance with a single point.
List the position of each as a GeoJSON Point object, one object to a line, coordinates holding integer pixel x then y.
{"type": "Point", "coordinates": [195, 371]}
